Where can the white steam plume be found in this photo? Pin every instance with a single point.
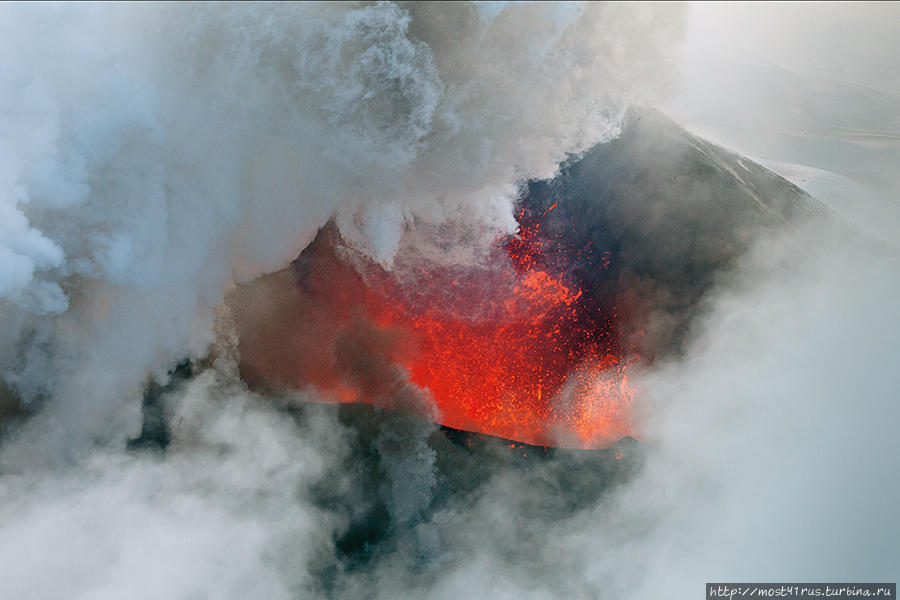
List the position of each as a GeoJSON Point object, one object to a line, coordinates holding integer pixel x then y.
{"type": "Point", "coordinates": [152, 154]}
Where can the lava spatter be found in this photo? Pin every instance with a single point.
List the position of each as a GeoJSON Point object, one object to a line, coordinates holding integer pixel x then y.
{"type": "Point", "coordinates": [517, 350]}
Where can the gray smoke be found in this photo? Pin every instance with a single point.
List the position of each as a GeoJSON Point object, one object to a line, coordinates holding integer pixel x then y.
{"type": "Point", "coordinates": [153, 155]}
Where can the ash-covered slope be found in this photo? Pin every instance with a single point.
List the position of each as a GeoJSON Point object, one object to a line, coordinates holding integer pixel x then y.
{"type": "Point", "coordinates": [665, 213]}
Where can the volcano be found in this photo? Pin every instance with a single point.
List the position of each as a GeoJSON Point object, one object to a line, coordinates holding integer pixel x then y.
{"type": "Point", "coordinates": [605, 274]}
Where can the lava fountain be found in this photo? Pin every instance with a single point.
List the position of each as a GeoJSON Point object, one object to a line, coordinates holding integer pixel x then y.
{"type": "Point", "coordinates": [518, 349]}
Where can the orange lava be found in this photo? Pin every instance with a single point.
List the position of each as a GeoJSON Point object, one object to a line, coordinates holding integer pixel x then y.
{"type": "Point", "coordinates": [533, 370]}
{"type": "Point", "coordinates": [517, 351]}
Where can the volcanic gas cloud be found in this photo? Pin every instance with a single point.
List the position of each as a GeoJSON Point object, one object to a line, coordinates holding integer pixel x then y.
{"type": "Point", "coordinates": [519, 348]}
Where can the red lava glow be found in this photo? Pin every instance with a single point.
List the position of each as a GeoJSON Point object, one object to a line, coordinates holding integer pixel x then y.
{"type": "Point", "coordinates": [516, 351]}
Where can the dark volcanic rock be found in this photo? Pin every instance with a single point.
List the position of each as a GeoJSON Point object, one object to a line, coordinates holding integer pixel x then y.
{"type": "Point", "coordinates": [561, 482]}
{"type": "Point", "coordinates": [663, 213]}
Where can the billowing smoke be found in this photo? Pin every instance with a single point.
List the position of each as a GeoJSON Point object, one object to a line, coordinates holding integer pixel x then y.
{"type": "Point", "coordinates": [153, 155]}
{"type": "Point", "coordinates": [155, 159]}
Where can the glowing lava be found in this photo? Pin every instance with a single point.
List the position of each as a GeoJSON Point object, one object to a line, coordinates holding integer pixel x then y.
{"type": "Point", "coordinates": [517, 350]}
